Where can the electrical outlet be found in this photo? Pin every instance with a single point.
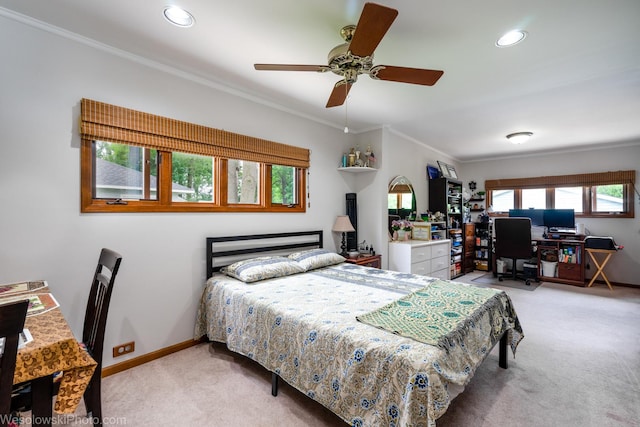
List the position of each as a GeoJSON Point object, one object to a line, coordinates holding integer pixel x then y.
{"type": "Point", "coordinates": [125, 348]}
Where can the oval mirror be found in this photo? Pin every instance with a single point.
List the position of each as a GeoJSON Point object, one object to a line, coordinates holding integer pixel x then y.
{"type": "Point", "coordinates": [401, 199]}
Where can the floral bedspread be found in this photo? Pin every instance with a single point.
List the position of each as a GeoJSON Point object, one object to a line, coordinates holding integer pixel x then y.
{"type": "Point", "coordinates": [304, 328]}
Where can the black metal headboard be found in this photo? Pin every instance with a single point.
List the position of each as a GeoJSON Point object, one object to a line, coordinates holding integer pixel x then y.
{"type": "Point", "coordinates": [226, 250]}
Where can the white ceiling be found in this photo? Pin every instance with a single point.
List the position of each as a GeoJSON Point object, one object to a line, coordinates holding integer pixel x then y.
{"type": "Point", "coordinates": [574, 81]}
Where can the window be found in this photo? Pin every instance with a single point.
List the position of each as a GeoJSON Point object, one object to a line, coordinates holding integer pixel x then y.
{"type": "Point", "coordinates": [243, 180]}
{"type": "Point", "coordinates": [124, 172]}
{"type": "Point", "coordinates": [191, 178]}
{"type": "Point", "coordinates": [568, 198]}
{"type": "Point", "coordinates": [607, 198]}
{"type": "Point", "coordinates": [284, 189]}
{"type": "Point", "coordinates": [502, 200]}
{"type": "Point", "coordinates": [400, 201]}
{"type": "Point", "coordinates": [533, 198]}
{"type": "Point", "coordinates": [137, 162]}
{"type": "Point", "coordinates": [596, 195]}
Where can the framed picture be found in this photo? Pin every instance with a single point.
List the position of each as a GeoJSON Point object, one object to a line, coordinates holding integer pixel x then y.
{"type": "Point", "coordinates": [444, 169]}
{"type": "Point", "coordinates": [432, 172]}
{"type": "Point", "coordinates": [452, 172]}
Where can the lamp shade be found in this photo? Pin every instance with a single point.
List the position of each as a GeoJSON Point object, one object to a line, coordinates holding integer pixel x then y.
{"type": "Point", "coordinates": [343, 224]}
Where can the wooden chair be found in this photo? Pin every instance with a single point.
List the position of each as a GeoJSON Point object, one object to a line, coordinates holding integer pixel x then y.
{"type": "Point", "coordinates": [12, 317]}
{"type": "Point", "coordinates": [95, 322]}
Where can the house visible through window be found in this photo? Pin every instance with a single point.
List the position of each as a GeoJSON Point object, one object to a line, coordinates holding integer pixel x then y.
{"type": "Point", "coordinates": [136, 162]}
{"type": "Point", "coordinates": [599, 195]}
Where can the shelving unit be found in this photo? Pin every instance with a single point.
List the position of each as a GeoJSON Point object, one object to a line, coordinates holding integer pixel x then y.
{"type": "Point", "coordinates": [438, 230]}
{"type": "Point", "coordinates": [445, 196]}
{"type": "Point", "coordinates": [457, 251]}
{"type": "Point", "coordinates": [483, 246]}
{"type": "Point", "coordinates": [357, 169]}
{"type": "Point", "coordinates": [469, 247]}
{"type": "Point", "coordinates": [423, 230]}
{"type": "Point", "coordinates": [476, 207]}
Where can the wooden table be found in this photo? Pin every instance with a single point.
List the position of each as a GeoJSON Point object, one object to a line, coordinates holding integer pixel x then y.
{"type": "Point", "coordinates": [54, 349]}
{"type": "Point", "coordinates": [600, 267]}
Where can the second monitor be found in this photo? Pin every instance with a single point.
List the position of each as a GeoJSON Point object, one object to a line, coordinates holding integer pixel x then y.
{"type": "Point", "coordinates": [550, 218]}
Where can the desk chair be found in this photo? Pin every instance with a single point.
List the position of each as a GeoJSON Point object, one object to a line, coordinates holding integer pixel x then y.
{"type": "Point", "coordinates": [12, 317]}
{"type": "Point", "coordinates": [95, 322]}
{"type": "Point", "coordinates": [513, 240]}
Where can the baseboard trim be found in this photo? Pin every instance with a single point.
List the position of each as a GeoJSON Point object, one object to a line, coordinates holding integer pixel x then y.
{"type": "Point", "coordinates": [140, 360]}
{"type": "Point", "coordinates": [614, 284]}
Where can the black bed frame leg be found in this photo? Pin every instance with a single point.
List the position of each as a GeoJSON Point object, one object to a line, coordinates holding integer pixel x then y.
{"type": "Point", "coordinates": [503, 361]}
{"type": "Point", "coordinates": [274, 384]}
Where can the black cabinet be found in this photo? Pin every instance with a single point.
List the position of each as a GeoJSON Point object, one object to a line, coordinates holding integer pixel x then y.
{"type": "Point", "coordinates": [445, 196]}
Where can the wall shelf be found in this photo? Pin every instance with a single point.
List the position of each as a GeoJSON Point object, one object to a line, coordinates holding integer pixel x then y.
{"type": "Point", "coordinates": [357, 169]}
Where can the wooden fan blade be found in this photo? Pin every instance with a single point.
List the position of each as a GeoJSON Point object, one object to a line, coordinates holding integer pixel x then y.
{"type": "Point", "coordinates": [339, 94]}
{"type": "Point", "coordinates": [417, 76]}
{"type": "Point", "coordinates": [291, 67]}
{"type": "Point", "coordinates": [373, 24]}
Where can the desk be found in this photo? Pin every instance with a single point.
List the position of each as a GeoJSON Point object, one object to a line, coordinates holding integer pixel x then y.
{"type": "Point", "coordinates": [569, 255]}
{"type": "Point", "coordinates": [54, 349]}
{"type": "Point", "coordinates": [600, 267]}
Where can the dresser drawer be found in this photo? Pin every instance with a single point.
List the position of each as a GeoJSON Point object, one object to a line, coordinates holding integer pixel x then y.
{"type": "Point", "coordinates": [441, 274]}
{"type": "Point", "coordinates": [569, 271]}
{"type": "Point", "coordinates": [420, 253]}
{"type": "Point", "coordinates": [440, 263]}
{"type": "Point", "coordinates": [439, 250]}
{"type": "Point", "coordinates": [422, 268]}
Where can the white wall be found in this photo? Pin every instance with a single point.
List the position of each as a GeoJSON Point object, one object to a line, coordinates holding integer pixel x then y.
{"type": "Point", "coordinates": [43, 235]}
{"type": "Point", "coordinates": [624, 266]}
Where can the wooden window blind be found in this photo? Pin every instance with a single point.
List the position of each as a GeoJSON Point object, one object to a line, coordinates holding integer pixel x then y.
{"type": "Point", "coordinates": [100, 121]}
{"type": "Point", "coordinates": [579, 180]}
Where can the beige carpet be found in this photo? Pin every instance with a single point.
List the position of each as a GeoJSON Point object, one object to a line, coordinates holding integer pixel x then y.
{"type": "Point", "coordinates": [578, 365]}
{"type": "Point", "coordinates": [487, 279]}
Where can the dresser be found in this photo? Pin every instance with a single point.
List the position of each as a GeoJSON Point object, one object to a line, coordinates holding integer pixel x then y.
{"type": "Point", "coordinates": [428, 258]}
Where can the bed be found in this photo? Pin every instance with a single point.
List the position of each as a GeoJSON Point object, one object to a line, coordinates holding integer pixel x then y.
{"type": "Point", "coordinates": [376, 347]}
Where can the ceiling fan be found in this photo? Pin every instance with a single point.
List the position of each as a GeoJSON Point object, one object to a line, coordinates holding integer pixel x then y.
{"type": "Point", "coordinates": [355, 56]}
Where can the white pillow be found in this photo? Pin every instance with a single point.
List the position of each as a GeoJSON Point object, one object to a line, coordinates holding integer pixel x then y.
{"type": "Point", "coordinates": [316, 258]}
{"type": "Point", "coordinates": [261, 268]}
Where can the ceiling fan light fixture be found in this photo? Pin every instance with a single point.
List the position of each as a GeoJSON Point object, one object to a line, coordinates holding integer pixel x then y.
{"type": "Point", "coordinates": [511, 38]}
{"type": "Point", "coordinates": [519, 137]}
{"type": "Point", "coordinates": [178, 16]}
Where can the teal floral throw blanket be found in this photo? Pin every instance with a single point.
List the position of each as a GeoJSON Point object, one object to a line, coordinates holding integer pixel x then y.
{"type": "Point", "coordinates": [441, 313]}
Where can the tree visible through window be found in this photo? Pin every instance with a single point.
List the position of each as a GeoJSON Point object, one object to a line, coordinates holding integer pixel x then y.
{"type": "Point", "coordinates": [132, 161]}
{"type": "Point", "coordinates": [283, 181]}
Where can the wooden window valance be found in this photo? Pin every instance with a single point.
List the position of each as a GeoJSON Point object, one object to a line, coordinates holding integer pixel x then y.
{"type": "Point", "coordinates": [100, 121]}
{"type": "Point", "coordinates": [579, 180]}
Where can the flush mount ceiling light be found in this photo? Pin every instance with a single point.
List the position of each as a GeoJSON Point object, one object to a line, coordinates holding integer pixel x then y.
{"type": "Point", "coordinates": [519, 137]}
{"type": "Point", "coordinates": [511, 38]}
{"type": "Point", "coordinates": [178, 16]}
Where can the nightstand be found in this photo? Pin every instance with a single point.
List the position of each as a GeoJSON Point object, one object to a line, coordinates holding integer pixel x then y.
{"type": "Point", "coordinates": [374, 261]}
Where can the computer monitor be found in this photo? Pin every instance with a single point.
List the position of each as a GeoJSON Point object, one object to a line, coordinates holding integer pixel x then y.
{"type": "Point", "coordinates": [536, 215]}
{"type": "Point", "coordinates": [559, 218]}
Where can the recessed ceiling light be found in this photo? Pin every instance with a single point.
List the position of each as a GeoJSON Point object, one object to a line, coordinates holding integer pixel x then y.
{"type": "Point", "coordinates": [511, 38]}
{"type": "Point", "coordinates": [519, 137]}
{"type": "Point", "coordinates": [178, 16]}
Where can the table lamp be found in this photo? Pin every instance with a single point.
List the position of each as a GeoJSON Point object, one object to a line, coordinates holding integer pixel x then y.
{"type": "Point", "coordinates": [343, 225]}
